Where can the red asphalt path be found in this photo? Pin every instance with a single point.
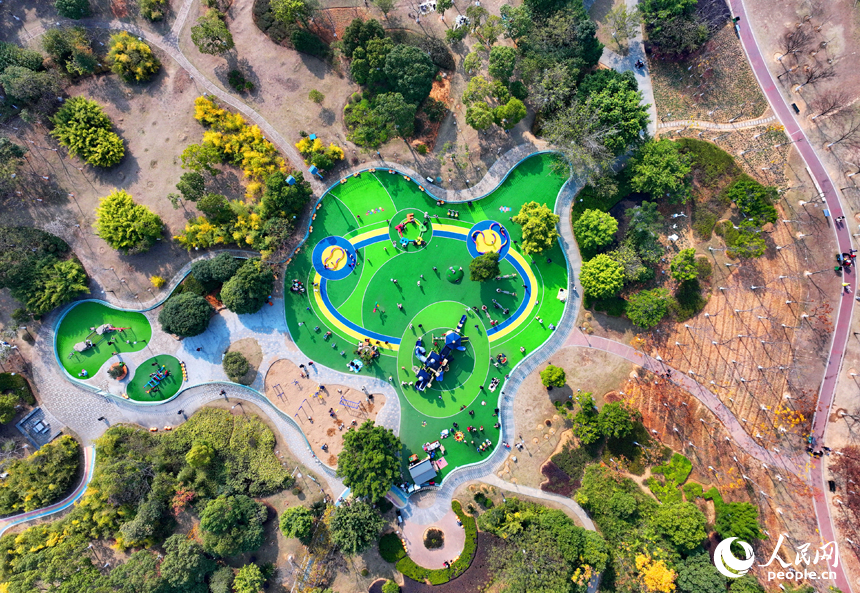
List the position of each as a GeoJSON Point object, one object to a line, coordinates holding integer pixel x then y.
{"type": "Point", "coordinates": [786, 115]}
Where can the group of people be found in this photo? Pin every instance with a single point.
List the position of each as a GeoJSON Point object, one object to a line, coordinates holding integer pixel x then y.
{"type": "Point", "coordinates": [297, 286]}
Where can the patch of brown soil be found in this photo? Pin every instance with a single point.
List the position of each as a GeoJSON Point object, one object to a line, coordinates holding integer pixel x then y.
{"type": "Point", "coordinates": [119, 8]}
{"type": "Point", "coordinates": [317, 409]}
{"type": "Point", "coordinates": [441, 91]}
{"type": "Point", "coordinates": [330, 23]}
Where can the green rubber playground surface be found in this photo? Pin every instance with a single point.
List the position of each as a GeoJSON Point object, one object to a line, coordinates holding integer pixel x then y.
{"type": "Point", "coordinates": [363, 302]}
{"type": "Point", "coordinates": [76, 327]}
{"type": "Point", "coordinates": [138, 390]}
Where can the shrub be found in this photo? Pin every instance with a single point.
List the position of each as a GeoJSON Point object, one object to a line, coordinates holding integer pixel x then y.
{"type": "Point", "coordinates": [390, 587]}
{"type": "Point", "coordinates": [249, 289]}
{"type": "Point", "coordinates": [297, 522]}
{"type": "Point", "coordinates": [422, 149]}
{"type": "Point", "coordinates": [316, 96]}
{"type": "Point", "coordinates": [235, 366]}
{"type": "Point", "coordinates": [116, 370]}
{"type": "Point", "coordinates": [131, 59]}
{"type": "Point", "coordinates": [157, 281]}
{"type": "Point", "coordinates": [692, 491]}
{"type": "Point", "coordinates": [435, 110]}
{"type": "Point", "coordinates": [309, 43]}
{"type": "Point", "coordinates": [69, 48]}
{"type": "Point", "coordinates": [152, 10]}
{"type": "Point", "coordinates": [73, 9]}
{"type": "Point", "coordinates": [391, 548]}
{"type": "Point", "coordinates": [15, 384]}
{"type": "Point", "coordinates": [126, 226]}
{"type": "Point", "coordinates": [185, 315]}
{"type": "Point", "coordinates": [677, 470]}
{"type": "Point", "coordinates": [82, 126]}
{"type": "Point", "coordinates": [237, 80]}
{"type": "Point", "coordinates": [552, 376]}
{"type": "Point", "coordinates": [433, 539]}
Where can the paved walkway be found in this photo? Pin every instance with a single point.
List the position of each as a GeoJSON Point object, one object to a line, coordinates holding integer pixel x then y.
{"type": "Point", "coordinates": [89, 466]}
{"type": "Point", "coordinates": [843, 239]}
{"type": "Point", "coordinates": [565, 501]}
{"type": "Point", "coordinates": [709, 125]}
{"type": "Point", "coordinates": [455, 539]}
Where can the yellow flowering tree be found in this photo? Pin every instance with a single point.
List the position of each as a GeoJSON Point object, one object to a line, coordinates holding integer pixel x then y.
{"type": "Point", "coordinates": [656, 576]}
{"type": "Point", "coordinates": [132, 59]}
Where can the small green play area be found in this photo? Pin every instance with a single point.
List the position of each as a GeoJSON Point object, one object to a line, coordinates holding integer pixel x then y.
{"type": "Point", "coordinates": [156, 379]}
{"type": "Point", "coordinates": [84, 344]}
{"type": "Point", "coordinates": [381, 287]}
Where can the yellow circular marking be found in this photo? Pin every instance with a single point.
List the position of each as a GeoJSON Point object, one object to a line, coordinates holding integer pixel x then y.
{"type": "Point", "coordinates": [487, 241]}
{"type": "Point", "coordinates": [334, 257]}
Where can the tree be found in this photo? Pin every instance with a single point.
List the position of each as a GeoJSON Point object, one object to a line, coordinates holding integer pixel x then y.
{"type": "Point", "coordinates": [595, 229]}
{"type": "Point", "coordinates": [152, 10]}
{"type": "Point", "coordinates": [201, 157]}
{"type": "Point", "coordinates": [399, 115]}
{"type": "Point", "coordinates": [746, 584]}
{"type": "Point", "coordinates": [82, 126]}
{"type": "Point", "coordinates": [503, 59]}
{"type": "Point", "coordinates": [390, 587]}
{"type": "Point", "coordinates": [235, 366]}
{"type": "Point", "coordinates": [510, 114]}
{"type": "Point", "coordinates": [614, 421]}
{"type": "Point", "coordinates": [73, 9]}
{"type": "Point", "coordinates": [368, 61]}
{"type": "Point", "coordinates": [55, 285]}
{"type": "Point", "coordinates": [232, 525]}
{"type": "Point", "coordinates": [443, 5]}
{"type": "Point", "coordinates": [185, 315]}
{"type": "Point", "coordinates": [643, 230]}
{"type": "Point", "coordinates": [554, 89]}
{"type": "Point", "coordinates": [358, 33]}
{"type": "Point", "coordinates": [69, 48]}
{"type": "Point", "coordinates": [683, 524]}
{"type": "Point", "coordinates": [138, 574]}
{"type": "Point", "coordinates": [620, 109]}
{"type": "Point", "coordinates": [624, 23]}
{"type": "Point", "coordinates": [601, 277]}
{"type": "Point", "coordinates": [740, 520]}
{"type": "Point", "coordinates": [585, 423]}
{"type": "Point", "coordinates": [647, 308]}
{"type": "Point", "coordinates": [297, 521]}
{"type": "Point", "coordinates": [581, 138]}
{"type": "Point", "coordinates": [41, 478]}
{"type": "Point", "coordinates": [829, 102]}
{"type": "Point", "coordinates": [479, 116]}
{"type": "Point", "coordinates": [683, 266]}
{"type": "Point", "coordinates": [24, 86]}
{"type": "Point", "coordinates": [552, 376]}
{"type": "Point", "coordinates": [142, 528]}
{"type": "Point", "coordinates": [848, 130]}
{"type": "Point", "coordinates": [484, 267]}
{"type": "Point", "coordinates": [211, 35]}
{"type": "Point", "coordinates": [249, 579]}
{"type": "Point", "coordinates": [656, 576]}
{"type": "Point", "coordinates": [538, 227]}
{"type": "Point", "coordinates": [678, 35]}
{"type": "Point", "coordinates": [280, 199]}
{"type": "Point", "coordinates": [355, 524]}
{"type": "Point", "coordinates": [369, 462]}
{"type": "Point", "coordinates": [745, 240]}
{"type": "Point", "coordinates": [290, 12]}
{"type": "Point", "coordinates": [794, 42]}
{"type": "Point", "coordinates": [192, 186]}
{"type": "Point", "coordinates": [249, 289]}
{"type": "Point", "coordinates": [185, 567]}
{"type": "Point", "coordinates": [664, 9]}
{"type": "Point", "coordinates": [131, 58]}
{"type": "Point", "coordinates": [754, 200]}
{"type": "Point", "coordinates": [126, 226]}
{"type": "Point", "coordinates": [200, 454]}
{"type": "Point", "coordinates": [11, 156]}
{"type": "Point", "coordinates": [409, 71]}
{"type": "Point", "coordinates": [697, 573]}
{"type": "Point", "coordinates": [385, 6]}
{"type": "Point", "coordinates": [221, 580]}
{"type": "Point", "coordinates": [660, 169]}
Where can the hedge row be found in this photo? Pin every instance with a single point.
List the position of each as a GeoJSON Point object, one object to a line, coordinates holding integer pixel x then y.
{"type": "Point", "coordinates": [442, 575]}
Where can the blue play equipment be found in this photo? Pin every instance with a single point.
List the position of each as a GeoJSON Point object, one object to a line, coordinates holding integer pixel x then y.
{"type": "Point", "coordinates": [420, 351]}
{"type": "Point", "coordinates": [314, 171]}
{"type": "Point", "coordinates": [291, 180]}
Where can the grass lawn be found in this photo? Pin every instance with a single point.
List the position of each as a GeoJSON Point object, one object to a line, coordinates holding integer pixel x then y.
{"type": "Point", "coordinates": [363, 302]}
{"type": "Point", "coordinates": [167, 387]}
{"type": "Point", "coordinates": [76, 327]}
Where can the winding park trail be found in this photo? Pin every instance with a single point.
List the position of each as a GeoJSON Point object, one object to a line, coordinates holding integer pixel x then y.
{"type": "Point", "coordinates": [842, 325]}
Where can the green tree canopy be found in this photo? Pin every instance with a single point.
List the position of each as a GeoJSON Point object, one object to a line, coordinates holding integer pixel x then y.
{"type": "Point", "coordinates": [249, 289]}
{"type": "Point", "coordinates": [746, 584]}
{"type": "Point", "coordinates": [200, 454]}
{"type": "Point", "coordinates": [538, 227]}
{"type": "Point", "coordinates": [131, 58]}
{"type": "Point", "coordinates": [754, 200]}
{"type": "Point", "coordinates": [70, 49]}
{"type": "Point", "coordinates": [647, 308]}
{"type": "Point", "coordinates": [201, 157]}
{"type": "Point", "coordinates": [479, 116]}
{"type": "Point", "coordinates": [368, 61]}
{"type": "Point", "coordinates": [615, 421]}
{"type": "Point", "coordinates": [185, 567]}
{"type": "Point", "coordinates": [221, 580]}
{"type": "Point", "coordinates": [192, 186]}
{"type": "Point", "coordinates": [595, 229]}
{"type": "Point", "coordinates": [355, 524]}
{"type": "Point", "coordinates": [503, 59]}
{"type": "Point", "coordinates": [55, 285]}
{"type": "Point", "coordinates": [683, 266]}
{"type": "Point", "coordinates": [293, 11]}
{"type": "Point", "coordinates": [185, 315]}
{"type": "Point", "coordinates": [552, 376]}
{"type": "Point", "coordinates": [138, 574]}
{"type": "Point", "coordinates": [509, 114]}
{"type": "Point", "coordinates": [390, 586]}
{"type": "Point", "coordinates": [682, 523]}
{"type": "Point", "coordinates": [410, 71]}
{"type": "Point", "coordinates": [126, 226]}
{"type": "Point", "coordinates": [661, 170]}
{"type": "Point", "coordinates": [232, 525]}
{"type": "Point", "coordinates": [40, 479]}
{"type": "Point", "coordinates": [369, 462]}
{"type": "Point", "coordinates": [249, 579]}
{"type": "Point", "coordinates": [620, 109]}
{"type": "Point", "coordinates": [216, 208]}
{"type": "Point", "coordinates": [697, 574]}
{"type": "Point", "coordinates": [484, 267]}
{"type": "Point", "coordinates": [211, 35]}
{"type": "Point", "coordinates": [745, 240]}
{"type": "Point", "coordinates": [740, 520]}
{"type": "Point", "coordinates": [601, 277]}
{"type": "Point", "coordinates": [297, 521]}
{"type": "Point", "coordinates": [358, 33]}
{"type": "Point", "coordinates": [280, 199]}
{"type": "Point", "coordinates": [73, 9]}
{"type": "Point", "coordinates": [236, 366]}
{"type": "Point", "coordinates": [585, 424]}
{"type": "Point", "coordinates": [644, 230]}
{"type": "Point", "coordinates": [398, 115]}
{"type": "Point", "coordinates": [82, 126]}
{"type": "Point", "coordinates": [212, 272]}
{"type": "Point", "coordinates": [664, 9]}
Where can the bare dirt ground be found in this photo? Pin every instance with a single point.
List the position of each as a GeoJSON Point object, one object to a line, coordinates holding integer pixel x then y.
{"type": "Point", "coordinates": [250, 349]}
{"type": "Point", "coordinates": [319, 425]}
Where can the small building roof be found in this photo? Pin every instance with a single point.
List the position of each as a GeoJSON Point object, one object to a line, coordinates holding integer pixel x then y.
{"type": "Point", "coordinates": [422, 472]}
